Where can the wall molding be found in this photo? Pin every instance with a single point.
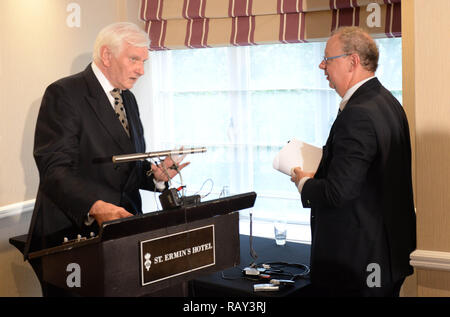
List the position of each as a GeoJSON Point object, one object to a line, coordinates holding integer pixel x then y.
{"type": "Point", "coordinates": [433, 260]}
{"type": "Point", "coordinates": [17, 208]}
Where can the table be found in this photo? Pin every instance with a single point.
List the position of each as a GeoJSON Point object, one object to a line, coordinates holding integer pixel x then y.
{"type": "Point", "coordinates": [232, 282]}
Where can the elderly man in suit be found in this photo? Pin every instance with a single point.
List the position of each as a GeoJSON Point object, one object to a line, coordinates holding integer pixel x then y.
{"type": "Point", "coordinates": [84, 120]}
{"type": "Point", "coordinates": [361, 198]}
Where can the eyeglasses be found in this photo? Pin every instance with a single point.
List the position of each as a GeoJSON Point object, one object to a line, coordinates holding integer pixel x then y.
{"type": "Point", "coordinates": [326, 59]}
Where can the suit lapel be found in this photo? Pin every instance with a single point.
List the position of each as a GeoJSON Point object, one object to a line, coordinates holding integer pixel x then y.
{"type": "Point", "coordinates": [99, 102]}
{"type": "Point", "coordinates": [367, 87]}
{"type": "Point", "coordinates": [135, 125]}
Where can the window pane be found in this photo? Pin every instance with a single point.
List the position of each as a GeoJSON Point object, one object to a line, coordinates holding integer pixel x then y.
{"type": "Point", "coordinates": [200, 117]}
{"type": "Point", "coordinates": [389, 69]}
{"type": "Point", "coordinates": [286, 66]}
{"type": "Point", "coordinates": [193, 70]}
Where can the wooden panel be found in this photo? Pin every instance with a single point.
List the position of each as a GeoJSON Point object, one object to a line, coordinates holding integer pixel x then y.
{"type": "Point", "coordinates": [433, 283]}
{"type": "Point", "coordinates": [432, 104]}
{"type": "Point", "coordinates": [427, 104]}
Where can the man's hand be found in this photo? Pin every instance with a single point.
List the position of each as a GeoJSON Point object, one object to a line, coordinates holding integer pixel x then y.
{"type": "Point", "coordinates": [297, 174]}
{"type": "Point", "coordinates": [170, 169]}
{"type": "Point", "coordinates": [103, 211]}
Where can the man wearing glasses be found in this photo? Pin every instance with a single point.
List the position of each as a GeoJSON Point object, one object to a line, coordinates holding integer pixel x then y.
{"type": "Point", "coordinates": [362, 210]}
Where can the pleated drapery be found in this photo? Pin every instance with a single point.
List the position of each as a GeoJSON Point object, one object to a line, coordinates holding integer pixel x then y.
{"type": "Point", "coordinates": [180, 24]}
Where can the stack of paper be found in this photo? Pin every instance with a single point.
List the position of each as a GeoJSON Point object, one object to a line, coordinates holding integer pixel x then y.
{"type": "Point", "coordinates": [297, 153]}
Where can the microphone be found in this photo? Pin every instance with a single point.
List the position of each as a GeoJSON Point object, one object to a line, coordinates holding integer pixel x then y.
{"type": "Point", "coordinates": [142, 156]}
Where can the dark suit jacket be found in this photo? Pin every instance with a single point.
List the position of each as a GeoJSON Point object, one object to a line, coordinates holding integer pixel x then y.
{"type": "Point", "coordinates": [361, 197]}
{"type": "Point", "coordinates": [76, 135]}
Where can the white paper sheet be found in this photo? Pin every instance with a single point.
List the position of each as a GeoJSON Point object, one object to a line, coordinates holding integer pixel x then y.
{"type": "Point", "coordinates": [297, 153]}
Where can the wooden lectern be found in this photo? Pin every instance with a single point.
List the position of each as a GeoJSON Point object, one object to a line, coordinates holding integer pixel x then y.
{"type": "Point", "coordinates": [145, 254]}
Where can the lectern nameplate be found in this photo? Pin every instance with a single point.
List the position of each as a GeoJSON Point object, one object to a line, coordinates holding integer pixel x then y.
{"type": "Point", "coordinates": [176, 254]}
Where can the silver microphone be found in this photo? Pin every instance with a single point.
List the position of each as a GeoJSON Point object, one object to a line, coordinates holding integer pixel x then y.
{"type": "Point", "coordinates": [142, 156]}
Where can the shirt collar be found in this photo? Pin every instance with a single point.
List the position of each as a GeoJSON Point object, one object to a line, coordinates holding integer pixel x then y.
{"type": "Point", "coordinates": [351, 91]}
{"type": "Point", "coordinates": [104, 82]}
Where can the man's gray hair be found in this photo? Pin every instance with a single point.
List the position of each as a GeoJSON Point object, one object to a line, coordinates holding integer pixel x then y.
{"type": "Point", "coordinates": [114, 36]}
{"type": "Point", "coordinates": [356, 40]}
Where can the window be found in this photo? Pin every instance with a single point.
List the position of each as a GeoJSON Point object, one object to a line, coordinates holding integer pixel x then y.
{"type": "Point", "coordinates": [244, 104]}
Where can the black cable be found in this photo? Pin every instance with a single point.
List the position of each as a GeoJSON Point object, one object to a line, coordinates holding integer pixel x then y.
{"type": "Point", "coordinates": [304, 267]}
{"type": "Point", "coordinates": [201, 187]}
{"type": "Point", "coordinates": [275, 269]}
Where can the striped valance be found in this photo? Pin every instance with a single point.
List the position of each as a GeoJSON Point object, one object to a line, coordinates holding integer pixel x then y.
{"type": "Point", "coordinates": [177, 24]}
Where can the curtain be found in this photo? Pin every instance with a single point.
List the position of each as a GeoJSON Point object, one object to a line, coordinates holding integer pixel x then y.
{"type": "Point", "coordinates": [181, 24]}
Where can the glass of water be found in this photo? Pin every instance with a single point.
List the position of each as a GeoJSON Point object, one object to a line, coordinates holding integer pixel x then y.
{"type": "Point", "coordinates": [280, 230]}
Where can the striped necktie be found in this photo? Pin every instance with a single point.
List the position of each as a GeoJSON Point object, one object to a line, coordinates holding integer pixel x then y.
{"type": "Point", "coordinates": [120, 110]}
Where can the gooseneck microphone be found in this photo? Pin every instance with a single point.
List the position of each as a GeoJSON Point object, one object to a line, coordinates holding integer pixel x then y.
{"type": "Point", "coordinates": [142, 156]}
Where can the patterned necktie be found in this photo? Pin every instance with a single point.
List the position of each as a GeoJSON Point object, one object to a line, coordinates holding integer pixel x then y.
{"type": "Point", "coordinates": [119, 108]}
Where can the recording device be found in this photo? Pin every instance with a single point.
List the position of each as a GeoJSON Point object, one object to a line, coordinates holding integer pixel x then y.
{"type": "Point", "coordinates": [282, 282]}
{"type": "Point", "coordinates": [171, 198]}
{"type": "Point", "coordinates": [251, 271]}
{"type": "Point", "coordinates": [265, 287]}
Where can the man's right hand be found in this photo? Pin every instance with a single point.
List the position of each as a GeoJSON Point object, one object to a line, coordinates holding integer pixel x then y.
{"type": "Point", "coordinates": [103, 211]}
{"type": "Point", "coordinates": [297, 174]}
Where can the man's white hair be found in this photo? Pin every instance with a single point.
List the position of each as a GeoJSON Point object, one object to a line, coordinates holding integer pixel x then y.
{"type": "Point", "coordinates": [114, 36]}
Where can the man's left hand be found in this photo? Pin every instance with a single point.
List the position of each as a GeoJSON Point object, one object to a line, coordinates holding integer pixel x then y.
{"type": "Point", "coordinates": [167, 169]}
